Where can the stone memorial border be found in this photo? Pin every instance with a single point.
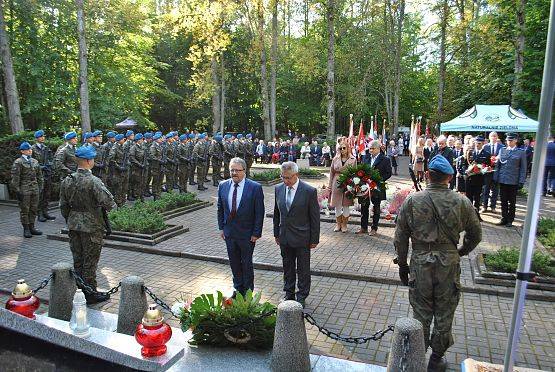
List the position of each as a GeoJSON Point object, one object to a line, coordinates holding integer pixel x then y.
{"type": "Point", "coordinates": [176, 212]}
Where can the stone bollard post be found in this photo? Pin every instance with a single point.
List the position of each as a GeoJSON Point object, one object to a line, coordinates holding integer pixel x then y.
{"type": "Point", "coordinates": [62, 289]}
{"type": "Point", "coordinates": [407, 347]}
{"type": "Point", "coordinates": [132, 304]}
{"type": "Point", "coordinates": [290, 352]}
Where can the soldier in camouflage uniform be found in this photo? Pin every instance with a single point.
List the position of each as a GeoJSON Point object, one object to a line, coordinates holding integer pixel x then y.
{"type": "Point", "coordinates": [249, 154]}
{"type": "Point", "coordinates": [64, 160]}
{"type": "Point", "coordinates": [171, 162]}
{"type": "Point", "coordinates": [106, 171]}
{"type": "Point", "coordinates": [147, 176]}
{"type": "Point", "coordinates": [97, 144]}
{"type": "Point", "coordinates": [119, 163]}
{"type": "Point", "coordinates": [83, 198]}
{"type": "Point", "coordinates": [155, 164]}
{"type": "Point", "coordinates": [129, 140]}
{"type": "Point", "coordinates": [200, 154]}
{"type": "Point", "coordinates": [433, 219]}
{"type": "Point", "coordinates": [137, 158]}
{"type": "Point", "coordinates": [26, 182]}
{"type": "Point", "coordinates": [43, 155]}
{"type": "Point", "coordinates": [229, 153]}
{"type": "Point", "coordinates": [193, 164]}
{"type": "Point", "coordinates": [184, 159]}
{"type": "Point", "coordinates": [217, 156]}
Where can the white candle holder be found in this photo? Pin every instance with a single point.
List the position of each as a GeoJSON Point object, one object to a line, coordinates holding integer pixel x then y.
{"type": "Point", "coordinates": [79, 322]}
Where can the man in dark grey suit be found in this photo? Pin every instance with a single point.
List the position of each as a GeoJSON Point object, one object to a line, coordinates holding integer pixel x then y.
{"type": "Point", "coordinates": [296, 229]}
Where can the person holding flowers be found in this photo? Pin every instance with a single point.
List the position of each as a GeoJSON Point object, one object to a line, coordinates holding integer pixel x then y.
{"type": "Point", "coordinates": [338, 199]}
{"type": "Point", "coordinates": [382, 165]}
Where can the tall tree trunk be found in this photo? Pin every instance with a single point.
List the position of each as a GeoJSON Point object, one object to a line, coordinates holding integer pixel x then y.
{"type": "Point", "coordinates": [330, 15]}
{"type": "Point", "coordinates": [263, 74]}
{"type": "Point", "coordinates": [222, 99]}
{"type": "Point", "coordinates": [398, 52]}
{"type": "Point", "coordinates": [519, 54]}
{"type": "Point", "coordinates": [216, 95]}
{"type": "Point", "coordinates": [83, 78]}
{"type": "Point", "coordinates": [10, 85]}
{"type": "Point", "coordinates": [442, 63]}
{"type": "Point", "coordinates": [273, 67]}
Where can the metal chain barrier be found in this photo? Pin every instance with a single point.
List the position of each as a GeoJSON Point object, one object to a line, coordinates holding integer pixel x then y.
{"type": "Point", "coordinates": [351, 340]}
{"type": "Point", "coordinates": [403, 361]}
{"type": "Point", "coordinates": [43, 284]}
{"type": "Point", "coordinates": [158, 301]}
{"type": "Point", "coordinates": [88, 289]}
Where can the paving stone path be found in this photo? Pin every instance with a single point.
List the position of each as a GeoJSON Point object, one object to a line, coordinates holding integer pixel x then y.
{"type": "Point", "coordinates": [351, 307]}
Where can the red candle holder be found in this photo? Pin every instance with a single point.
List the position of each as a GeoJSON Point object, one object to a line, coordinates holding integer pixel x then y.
{"type": "Point", "coordinates": [152, 333]}
{"type": "Point", "coordinates": [22, 301]}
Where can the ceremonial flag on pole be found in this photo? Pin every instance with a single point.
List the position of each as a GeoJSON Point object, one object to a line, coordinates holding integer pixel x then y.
{"type": "Point", "coordinates": [360, 139]}
{"type": "Point", "coordinates": [384, 141]}
{"type": "Point", "coordinates": [427, 130]}
{"type": "Point", "coordinates": [352, 139]}
{"type": "Point", "coordinates": [412, 144]}
{"type": "Point", "coordinates": [376, 127]}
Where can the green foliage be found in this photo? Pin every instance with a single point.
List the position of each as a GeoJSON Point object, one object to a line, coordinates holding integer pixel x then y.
{"type": "Point", "coordinates": [146, 217]}
{"type": "Point", "coordinates": [546, 233]}
{"type": "Point", "coordinates": [309, 172]}
{"type": "Point", "coordinates": [211, 318]}
{"type": "Point", "coordinates": [267, 175]}
{"type": "Point", "coordinates": [522, 192]}
{"type": "Point", "coordinates": [363, 171]}
{"type": "Point", "coordinates": [506, 260]}
{"type": "Point", "coordinates": [137, 219]}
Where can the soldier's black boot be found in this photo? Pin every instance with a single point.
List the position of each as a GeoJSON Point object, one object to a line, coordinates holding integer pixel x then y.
{"type": "Point", "coordinates": [33, 230]}
{"type": "Point", "coordinates": [41, 217]}
{"type": "Point", "coordinates": [192, 183]}
{"type": "Point", "coordinates": [437, 363]}
{"type": "Point", "coordinates": [131, 198]}
{"type": "Point", "coordinates": [94, 298]}
{"type": "Point", "coordinates": [27, 232]}
{"type": "Point", "coordinates": [47, 216]}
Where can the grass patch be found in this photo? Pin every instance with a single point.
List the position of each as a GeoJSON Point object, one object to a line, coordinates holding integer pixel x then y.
{"type": "Point", "coordinates": [309, 172]}
{"type": "Point", "coordinates": [506, 260]}
{"type": "Point", "coordinates": [267, 175]}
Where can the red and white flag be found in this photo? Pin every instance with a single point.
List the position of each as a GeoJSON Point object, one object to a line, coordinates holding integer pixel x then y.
{"type": "Point", "coordinates": [360, 140]}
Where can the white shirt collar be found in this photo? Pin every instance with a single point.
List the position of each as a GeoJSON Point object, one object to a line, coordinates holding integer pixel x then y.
{"type": "Point", "coordinates": [240, 184]}
{"type": "Point", "coordinates": [294, 187]}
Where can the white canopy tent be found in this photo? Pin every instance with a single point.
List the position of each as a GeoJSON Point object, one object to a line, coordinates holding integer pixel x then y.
{"type": "Point", "coordinates": [485, 118]}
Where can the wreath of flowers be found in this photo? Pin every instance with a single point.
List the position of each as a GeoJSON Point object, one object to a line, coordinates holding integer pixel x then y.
{"type": "Point", "coordinates": [360, 181]}
{"type": "Point", "coordinates": [475, 169]}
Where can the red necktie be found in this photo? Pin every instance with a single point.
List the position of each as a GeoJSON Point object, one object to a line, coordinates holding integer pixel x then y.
{"type": "Point", "coordinates": [234, 200]}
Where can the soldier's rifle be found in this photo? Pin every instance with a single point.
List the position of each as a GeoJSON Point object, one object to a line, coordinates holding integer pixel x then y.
{"type": "Point", "coordinates": [415, 182]}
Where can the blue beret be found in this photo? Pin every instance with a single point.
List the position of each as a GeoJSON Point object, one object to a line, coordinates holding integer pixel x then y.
{"type": "Point", "coordinates": [24, 146]}
{"type": "Point", "coordinates": [138, 136]}
{"type": "Point", "coordinates": [158, 132]}
{"type": "Point", "coordinates": [440, 164]}
{"type": "Point", "coordinates": [128, 133]}
{"type": "Point", "coordinates": [87, 135]}
{"type": "Point", "coordinates": [479, 139]}
{"type": "Point", "coordinates": [218, 138]}
{"type": "Point", "coordinates": [249, 135]}
{"type": "Point", "coordinates": [148, 135]}
{"type": "Point", "coordinates": [183, 137]}
{"type": "Point", "coordinates": [85, 152]}
{"type": "Point", "coordinates": [176, 134]}
{"type": "Point", "coordinates": [239, 135]}
{"type": "Point", "coordinates": [227, 136]}
{"type": "Point", "coordinates": [192, 135]}
{"type": "Point", "coordinates": [97, 133]}
{"type": "Point", "coordinates": [39, 133]}
{"type": "Point", "coordinates": [70, 135]}
{"type": "Point", "coordinates": [119, 137]}
{"type": "Point", "coordinates": [157, 136]}
{"type": "Point", "coordinates": [512, 136]}
{"type": "Point", "coordinates": [170, 134]}
{"type": "Point", "coordinates": [110, 134]}
{"type": "Point", "coordinates": [201, 136]}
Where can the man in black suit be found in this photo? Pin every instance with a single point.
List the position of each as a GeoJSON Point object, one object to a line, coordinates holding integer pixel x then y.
{"type": "Point", "coordinates": [315, 153]}
{"type": "Point", "coordinates": [296, 229]}
{"type": "Point", "coordinates": [491, 188]}
{"type": "Point", "coordinates": [480, 155]}
{"type": "Point", "coordinates": [447, 152]}
{"type": "Point", "coordinates": [382, 164]}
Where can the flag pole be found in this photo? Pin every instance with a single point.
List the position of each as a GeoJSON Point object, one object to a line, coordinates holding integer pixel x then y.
{"type": "Point", "coordinates": [534, 198]}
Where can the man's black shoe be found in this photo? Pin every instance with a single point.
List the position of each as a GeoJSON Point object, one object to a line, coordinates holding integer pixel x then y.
{"type": "Point", "coordinates": [27, 232]}
{"type": "Point", "coordinates": [193, 183]}
{"type": "Point", "coordinates": [202, 188]}
{"type": "Point", "coordinates": [33, 230]}
{"type": "Point", "coordinates": [301, 302]}
{"type": "Point", "coordinates": [502, 222]}
{"type": "Point", "coordinates": [96, 298]}
{"type": "Point", "coordinates": [41, 218]}
{"type": "Point", "coordinates": [509, 224]}
{"type": "Point", "coordinates": [48, 217]}
{"type": "Point", "coordinates": [288, 297]}
{"type": "Point", "coordinates": [437, 363]}
{"type": "Point", "coordinates": [130, 198]}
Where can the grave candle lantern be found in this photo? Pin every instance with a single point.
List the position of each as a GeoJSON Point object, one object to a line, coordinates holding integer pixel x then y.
{"type": "Point", "coordinates": [79, 322]}
{"type": "Point", "coordinates": [23, 301]}
{"type": "Point", "coordinates": [152, 333]}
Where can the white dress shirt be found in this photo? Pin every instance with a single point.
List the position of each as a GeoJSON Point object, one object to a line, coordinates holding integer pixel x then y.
{"type": "Point", "coordinates": [293, 191]}
{"type": "Point", "coordinates": [240, 189]}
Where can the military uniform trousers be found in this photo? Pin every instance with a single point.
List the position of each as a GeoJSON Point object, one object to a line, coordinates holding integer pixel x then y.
{"type": "Point", "coordinates": [119, 184]}
{"type": "Point", "coordinates": [201, 173]}
{"type": "Point", "coordinates": [227, 160]}
{"type": "Point", "coordinates": [170, 176]}
{"type": "Point", "coordinates": [192, 167]}
{"type": "Point", "coordinates": [44, 196]}
{"type": "Point", "coordinates": [29, 206]}
{"type": "Point", "coordinates": [157, 178]}
{"type": "Point", "coordinates": [85, 248]}
{"type": "Point", "coordinates": [434, 293]}
{"type": "Point", "coordinates": [216, 171]}
{"type": "Point", "coordinates": [248, 160]}
{"type": "Point", "coordinates": [136, 181]}
{"type": "Point", "coordinates": [183, 173]}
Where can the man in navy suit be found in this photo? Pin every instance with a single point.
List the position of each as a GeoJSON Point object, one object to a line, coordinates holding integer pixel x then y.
{"type": "Point", "coordinates": [240, 219]}
{"type": "Point", "coordinates": [491, 187]}
{"type": "Point", "coordinates": [549, 175]}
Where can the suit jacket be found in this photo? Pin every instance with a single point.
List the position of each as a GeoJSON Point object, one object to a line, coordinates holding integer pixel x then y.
{"type": "Point", "coordinates": [315, 151]}
{"type": "Point", "coordinates": [494, 148]}
{"type": "Point", "coordinates": [483, 158]}
{"type": "Point", "coordinates": [447, 153]}
{"type": "Point", "coordinates": [511, 166]}
{"type": "Point", "coordinates": [382, 165]}
{"type": "Point", "coordinates": [550, 156]}
{"type": "Point", "coordinates": [250, 211]}
{"type": "Point", "coordinates": [300, 226]}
